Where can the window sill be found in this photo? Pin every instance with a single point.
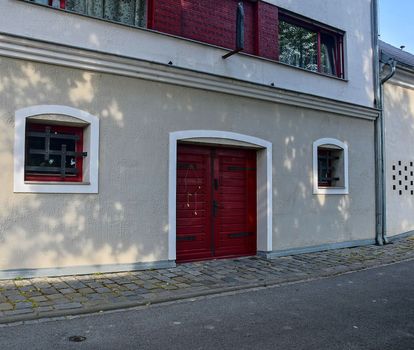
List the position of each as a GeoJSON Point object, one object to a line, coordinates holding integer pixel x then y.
{"type": "Point", "coordinates": [56, 183]}
{"type": "Point", "coordinates": [331, 190]}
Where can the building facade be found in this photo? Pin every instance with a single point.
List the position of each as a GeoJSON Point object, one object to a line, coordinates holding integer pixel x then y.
{"type": "Point", "coordinates": [398, 106]}
{"type": "Point", "coordinates": [128, 141]}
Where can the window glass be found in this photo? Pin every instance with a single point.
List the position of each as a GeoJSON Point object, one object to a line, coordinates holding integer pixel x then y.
{"type": "Point", "coordinates": [328, 47]}
{"type": "Point", "coordinates": [330, 167]}
{"type": "Point", "coordinates": [131, 12]}
{"type": "Point", "coordinates": [298, 46]}
{"type": "Point", "coordinates": [308, 46]}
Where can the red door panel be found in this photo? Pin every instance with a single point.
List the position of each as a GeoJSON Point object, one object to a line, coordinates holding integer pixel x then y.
{"type": "Point", "coordinates": [216, 202]}
{"type": "Point", "coordinates": [193, 203]}
{"type": "Point", "coordinates": [235, 221]}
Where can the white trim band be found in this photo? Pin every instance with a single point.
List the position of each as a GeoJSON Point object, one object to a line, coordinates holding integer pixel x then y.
{"type": "Point", "coordinates": [38, 51]}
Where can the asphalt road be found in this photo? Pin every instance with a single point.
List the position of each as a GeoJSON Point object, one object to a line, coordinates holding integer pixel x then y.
{"type": "Point", "coordinates": [372, 309]}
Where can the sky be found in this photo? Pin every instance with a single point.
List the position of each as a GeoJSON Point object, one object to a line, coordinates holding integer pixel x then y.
{"type": "Point", "coordinates": [396, 23]}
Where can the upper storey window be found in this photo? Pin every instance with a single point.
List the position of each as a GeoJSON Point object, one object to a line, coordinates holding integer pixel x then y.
{"type": "Point", "coordinates": [131, 12]}
{"type": "Point", "coordinates": [309, 46]}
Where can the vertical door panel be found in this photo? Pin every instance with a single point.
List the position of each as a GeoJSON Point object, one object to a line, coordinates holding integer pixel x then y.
{"type": "Point", "coordinates": [235, 222]}
{"type": "Point", "coordinates": [193, 203]}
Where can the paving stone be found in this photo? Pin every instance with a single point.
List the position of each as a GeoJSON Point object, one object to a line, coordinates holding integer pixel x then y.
{"type": "Point", "coordinates": [45, 303]}
{"type": "Point", "coordinates": [23, 305]}
{"type": "Point", "coordinates": [41, 309]}
{"type": "Point", "coordinates": [18, 312]}
{"type": "Point", "coordinates": [102, 290]}
{"type": "Point", "coordinates": [16, 297]}
{"type": "Point", "coordinates": [66, 290]}
{"type": "Point", "coordinates": [49, 291]}
{"type": "Point", "coordinates": [6, 307]}
{"type": "Point", "coordinates": [68, 306]}
{"type": "Point", "coordinates": [38, 298]}
{"type": "Point", "coordinates": [86, 290]}
{"type": "Point", "coordinates": [32, 294]}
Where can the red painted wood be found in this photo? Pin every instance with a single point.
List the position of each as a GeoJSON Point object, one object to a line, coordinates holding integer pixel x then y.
{"type": "Point", "coordinates": [236, 196]}
{"type": "Point", "coordinates": [193, 203]}
{"type": "Point", "coordinates": [227, 177]}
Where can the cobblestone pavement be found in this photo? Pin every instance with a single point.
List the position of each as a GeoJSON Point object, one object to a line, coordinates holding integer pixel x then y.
{"type": "Point", "coordinates": [29, 299]}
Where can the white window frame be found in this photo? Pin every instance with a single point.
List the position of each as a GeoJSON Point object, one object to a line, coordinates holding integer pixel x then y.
{"type": "Point", "coordinates": [91, 146]}
{"type": "Point", "coordinates": [330, 190]}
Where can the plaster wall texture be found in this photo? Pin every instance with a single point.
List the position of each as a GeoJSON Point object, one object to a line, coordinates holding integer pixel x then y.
{"type": "Point", "coordinates": [399, 147]}
{"type": "Point", "coordinates": [353, 17]}
{"type": "Point", "coordinates": [127, 221]}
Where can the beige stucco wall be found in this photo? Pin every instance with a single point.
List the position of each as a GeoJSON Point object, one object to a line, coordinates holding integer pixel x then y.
{"type": "Point", "coordinates": [128, 220]}
{"type": "Point", "coordinates": [399, 147]}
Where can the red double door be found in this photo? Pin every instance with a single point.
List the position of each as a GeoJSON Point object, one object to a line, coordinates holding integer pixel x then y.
{"type": "Point", "coordinates": [216, 202]}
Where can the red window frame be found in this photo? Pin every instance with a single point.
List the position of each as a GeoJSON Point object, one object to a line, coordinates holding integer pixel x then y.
{"type": "Point", "coordinates": [319, 30]}
{"type": "Point", "coordinates": [72, 130]}
{"type": "Point", "coordinates": [62, 3]}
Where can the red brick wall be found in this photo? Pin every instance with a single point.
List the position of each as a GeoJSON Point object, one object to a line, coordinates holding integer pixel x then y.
{"type": "Point", "coordinates": [214, 22]}
{"type": "Point", "coordinates": [267, 31]}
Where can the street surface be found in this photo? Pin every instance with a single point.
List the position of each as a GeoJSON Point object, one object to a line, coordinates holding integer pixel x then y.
{"type": "Point", "coordinates": [372, 309]}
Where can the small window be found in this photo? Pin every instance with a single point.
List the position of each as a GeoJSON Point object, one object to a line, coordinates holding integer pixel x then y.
{"type": "Point", "coordinates": [309, 46]}
{"type": "Point", "coordinates": [330, 167]}
{"type": "Point", "coordinates": [130, 12]}
{"type": "Point", "coordinates": [56, 150]}
{"type": "Point", "coordinates": [54, 153]}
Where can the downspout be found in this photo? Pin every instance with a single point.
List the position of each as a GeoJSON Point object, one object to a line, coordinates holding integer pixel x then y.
{"type": "Point", "coordinates": [380, 184]}
{"type": "Point", "coordinates": [392, 63]}
{"type": "Point", "coordinates": [379, 214]}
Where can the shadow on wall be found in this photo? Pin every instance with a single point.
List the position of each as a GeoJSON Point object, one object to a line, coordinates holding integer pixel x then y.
{"type": "Point", "coordinates": [52, 230]}
{"type": "Point", "coordinates": [117, 225]}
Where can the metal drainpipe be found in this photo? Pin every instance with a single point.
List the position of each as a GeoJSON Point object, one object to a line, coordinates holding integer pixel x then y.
{"type": "Point", "coordinates": [392, 64]}
{"type": "Point", "coordinates": [379, 214]}
{"type": "Point", "coordinates": [380, 185]}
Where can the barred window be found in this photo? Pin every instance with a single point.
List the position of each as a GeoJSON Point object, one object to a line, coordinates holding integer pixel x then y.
{"type": "Point", "coordinates": [54, 153]}
{"type": "Point", "coordinates": [330, 167]}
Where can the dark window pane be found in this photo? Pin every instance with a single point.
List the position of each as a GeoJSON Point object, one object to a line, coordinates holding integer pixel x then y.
{"type": "Point", "coordinates": [56, 144]}
{"type": "Point", "coordinates": [36, 142]}
{"type": "Point", "coordinates": [298, 46]}
{"type": "Point", "coordinates": [328, 47]}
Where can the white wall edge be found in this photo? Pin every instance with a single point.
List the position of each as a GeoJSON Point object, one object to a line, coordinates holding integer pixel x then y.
{"type": "Point", "coordinates": [335, 142]}
{"type": "Point", "coordinates": [19, 184]}
{"type": "Point", "coordinates": [172, 179]}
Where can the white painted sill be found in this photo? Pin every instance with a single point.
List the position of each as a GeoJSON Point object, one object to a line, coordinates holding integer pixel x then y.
{"type": "Point", "coordinates": [47, 183]}
{"type": "Point", "coordinates": [331, 190]}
